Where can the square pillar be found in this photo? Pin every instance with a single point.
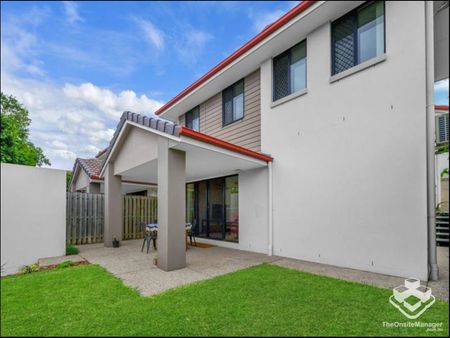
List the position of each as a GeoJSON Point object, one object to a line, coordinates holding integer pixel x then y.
{"type": "Point", "coordinates": [113, 206]}
{"type": "Point", "coordinates": [171, 207]}
{"type": "Point", "coordinates": [94, 188]}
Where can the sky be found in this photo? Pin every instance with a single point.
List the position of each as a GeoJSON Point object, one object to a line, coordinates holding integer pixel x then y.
{"type": "Point", "coordinates": [76, 66]}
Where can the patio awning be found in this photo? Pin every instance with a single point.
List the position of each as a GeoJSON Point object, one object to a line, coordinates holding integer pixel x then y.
{"type": "Point", "coordinates": [206, 156]}
{"type": "Point", "coordinates": [152, 149]}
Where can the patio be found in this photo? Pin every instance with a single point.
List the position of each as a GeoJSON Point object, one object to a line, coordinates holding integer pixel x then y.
{"type": "Point", "coordinates": [136, 268]}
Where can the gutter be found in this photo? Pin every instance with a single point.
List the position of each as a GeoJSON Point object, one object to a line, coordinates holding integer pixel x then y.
{"type": "Point", "coordinates": [273, 27]}
{"type": "Point", "coordinates": [433, 269]}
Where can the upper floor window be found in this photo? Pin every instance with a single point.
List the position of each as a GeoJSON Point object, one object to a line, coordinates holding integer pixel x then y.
{"type": "Point", "coordinates": [442, 129]}
{"type": "Point", "coordinates": [358, 36]}
{"type": "Point", "coordinates": [289, 71]}
{"type": "Point", "coordinates": [233, 103]}
{"type": "Point", "coordinates": [193, 119]}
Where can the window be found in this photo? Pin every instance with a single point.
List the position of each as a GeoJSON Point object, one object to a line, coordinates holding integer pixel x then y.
{"type": "Point", "coordinates": [442, 129]}
{"type": "Point", "coordinates": [358, 36]}
{"type": "Point", "coordinates": [289, 71]}
{"type": "Point", "coordinates": [233, 103]}
{"type": "Point", "coordinates": [193, 119]}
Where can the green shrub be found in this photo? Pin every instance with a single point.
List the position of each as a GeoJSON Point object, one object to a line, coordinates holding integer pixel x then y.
{"type": "Point", "coordinates": [64, 265]}
{"type": "Point", "coordinates": [30, 268]}
{"type": "Point", "coordinates": [71, 250]}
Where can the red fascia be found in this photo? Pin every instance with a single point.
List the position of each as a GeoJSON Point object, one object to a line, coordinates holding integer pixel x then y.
{"type": "Point", "coordinates": [257, 39]}
{"type": "Point", "coordinates": [441, 107]}
{"type": "Point", "coordinates": [223, 144]}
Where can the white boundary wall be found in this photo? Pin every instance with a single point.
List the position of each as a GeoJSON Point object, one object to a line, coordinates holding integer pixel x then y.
{"type": "Point", "coordinates": [33, 215]}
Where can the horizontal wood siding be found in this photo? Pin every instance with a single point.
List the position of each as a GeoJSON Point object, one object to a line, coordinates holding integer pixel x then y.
{"type": "Point", "coordinates": [246, 132]}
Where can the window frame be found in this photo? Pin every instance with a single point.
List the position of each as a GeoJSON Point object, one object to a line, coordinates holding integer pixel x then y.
{"type": "Point", "coordinates": [232, 107]}
{"type": "Point", "coordinates": [194, 110]}
{"type": "Point", "coordinates": [288, 53]}
{"type": "Point", "coordinates": [354, 15]}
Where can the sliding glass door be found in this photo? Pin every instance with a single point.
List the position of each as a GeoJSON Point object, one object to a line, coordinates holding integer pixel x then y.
{"type": "Point", "coordinates": [212, 206]}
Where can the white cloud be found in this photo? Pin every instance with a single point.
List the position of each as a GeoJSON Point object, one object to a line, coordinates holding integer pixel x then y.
{"type": "Point", "coordinates": [71, 11]}
{"type": "Point", "coordinates": [72, 121]}
{"type": "Point", "coordinates": [262, 19]}
{"type": "Point", "coordinates": [441, 86]}
{"type": "Point", "coordinates": [191, 44]}
{"type": "Point", "coordinates": [153, 35]}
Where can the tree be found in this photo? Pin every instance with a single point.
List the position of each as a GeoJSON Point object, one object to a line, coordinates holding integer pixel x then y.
{"type": "Point", "coordinates": [69, 175]}
{"type": "Point", "coordinates": [15, 146]}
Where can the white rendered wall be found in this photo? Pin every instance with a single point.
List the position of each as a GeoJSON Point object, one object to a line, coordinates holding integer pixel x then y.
{"type": "Point", "coordinates": [349, 164]}
{"type": "Point", "coordinates": [33, 215]}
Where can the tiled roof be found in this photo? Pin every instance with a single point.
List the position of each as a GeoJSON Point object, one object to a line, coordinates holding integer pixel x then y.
{"type": "Point", "coordinates": [101, 152]}
{"type": "Point", "coordinates": [165, 126]}
{"type": "Point", "coordinates": [91, 166]}
{"type": "Point", "coordinates": [150, 121]}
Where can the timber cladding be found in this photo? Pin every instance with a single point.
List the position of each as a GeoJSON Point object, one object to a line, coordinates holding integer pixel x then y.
{"type": "Point", "coordinates": [245, 132]}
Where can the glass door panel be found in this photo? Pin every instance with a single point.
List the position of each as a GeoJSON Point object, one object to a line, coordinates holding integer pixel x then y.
{"type": "Point", "coordinates": [232, 208]}
{"type": "Point", "coordinates": [216, 208]}
{"type": "Point", "coordinates": [202, 197]}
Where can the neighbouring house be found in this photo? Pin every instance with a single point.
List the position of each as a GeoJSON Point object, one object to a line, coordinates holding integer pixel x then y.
{"type": "Point", "coordinates": [86, 178]}
{"type": "Point", "coordinates": [442, 159]}
{"type": "Point", "coordinates": [290, 146]}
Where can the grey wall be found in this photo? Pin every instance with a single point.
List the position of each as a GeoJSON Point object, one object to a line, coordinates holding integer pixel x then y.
{"type": "Point", "coordinates": [33, 215]}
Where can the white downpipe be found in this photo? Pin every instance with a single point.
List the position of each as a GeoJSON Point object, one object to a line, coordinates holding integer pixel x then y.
{"type": "Point", "coordinates": [270, 253]}
{"type": "Point", "coordinates": [431, 135]}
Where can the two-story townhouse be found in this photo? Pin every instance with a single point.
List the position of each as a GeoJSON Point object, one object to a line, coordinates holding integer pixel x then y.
{"type": "Point", "coordinates": [332, 91]}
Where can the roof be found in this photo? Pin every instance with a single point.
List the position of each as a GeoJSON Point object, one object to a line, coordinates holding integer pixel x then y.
{"type": "Point", "coordinates": [91, 167]}
{"type": "Point", "coordinates": [172, 129]}
{"type": "Point", "coordinates": [294, 12]}
{"type": "Point", "coordinates": [101, 152]}
{"type": "Point", "coordinates": [441, 107]}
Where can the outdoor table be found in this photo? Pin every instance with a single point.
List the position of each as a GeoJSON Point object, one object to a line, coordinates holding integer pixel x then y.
{"type": "Point", "coordinates": [153, 228]}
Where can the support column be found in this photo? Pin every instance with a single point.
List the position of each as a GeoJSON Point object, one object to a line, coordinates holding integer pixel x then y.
{"type": "Point", "coordinates": [171, 207]}
{"type": "Point", "coordinates": [94, 188]}
{"type": "Point", "coordinates": [113, 206]}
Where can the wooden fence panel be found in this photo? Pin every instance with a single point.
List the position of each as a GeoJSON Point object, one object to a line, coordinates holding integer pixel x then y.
{"type": "Point", "coordinates": [85, 216]}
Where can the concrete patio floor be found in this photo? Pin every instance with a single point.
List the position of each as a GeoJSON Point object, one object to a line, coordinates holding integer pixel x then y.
{"type": "Point", "coordinates": [136, 269]}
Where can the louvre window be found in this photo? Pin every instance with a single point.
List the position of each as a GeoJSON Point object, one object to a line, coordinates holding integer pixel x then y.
{"type": "Point", "coordinates": [358, 36]}
{"type": "Point", "coordinates": [442, 129]}
{"type": "Point", "coordinates": [289, 71]}
{"type": "Point", "coordinates": [193, 119]}
{"type": "Point", "coordinates": [233, 103]}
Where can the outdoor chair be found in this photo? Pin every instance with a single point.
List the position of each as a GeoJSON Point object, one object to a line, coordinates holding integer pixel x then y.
{"type": "Point", "coordinates": [190, 230]}
{"type": "Point", "coordinates": [148, 237]}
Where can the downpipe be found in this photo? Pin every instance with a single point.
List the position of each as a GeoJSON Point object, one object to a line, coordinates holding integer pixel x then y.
{"type": "Point", "coordinates": [433, 270]}
{"type": "Point", "coordinates": [270, 202]}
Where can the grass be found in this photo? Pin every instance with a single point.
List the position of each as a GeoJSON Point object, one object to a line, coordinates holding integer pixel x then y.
{"type": "Point", "coordinates": [263, 300]}
{"type": "Point", "coordinates": [71, 249]}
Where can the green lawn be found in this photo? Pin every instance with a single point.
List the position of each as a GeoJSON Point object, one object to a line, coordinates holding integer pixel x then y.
{"type": "Point", "coordinates": [263, 300]}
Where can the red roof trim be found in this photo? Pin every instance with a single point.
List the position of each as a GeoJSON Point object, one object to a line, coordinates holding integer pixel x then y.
{"type": "Point", "coordinates": [236, 54]}
{"type": "Point", "coordinates": [223, 144]}
{"type": "Point", "coordinates": [441, 107]}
